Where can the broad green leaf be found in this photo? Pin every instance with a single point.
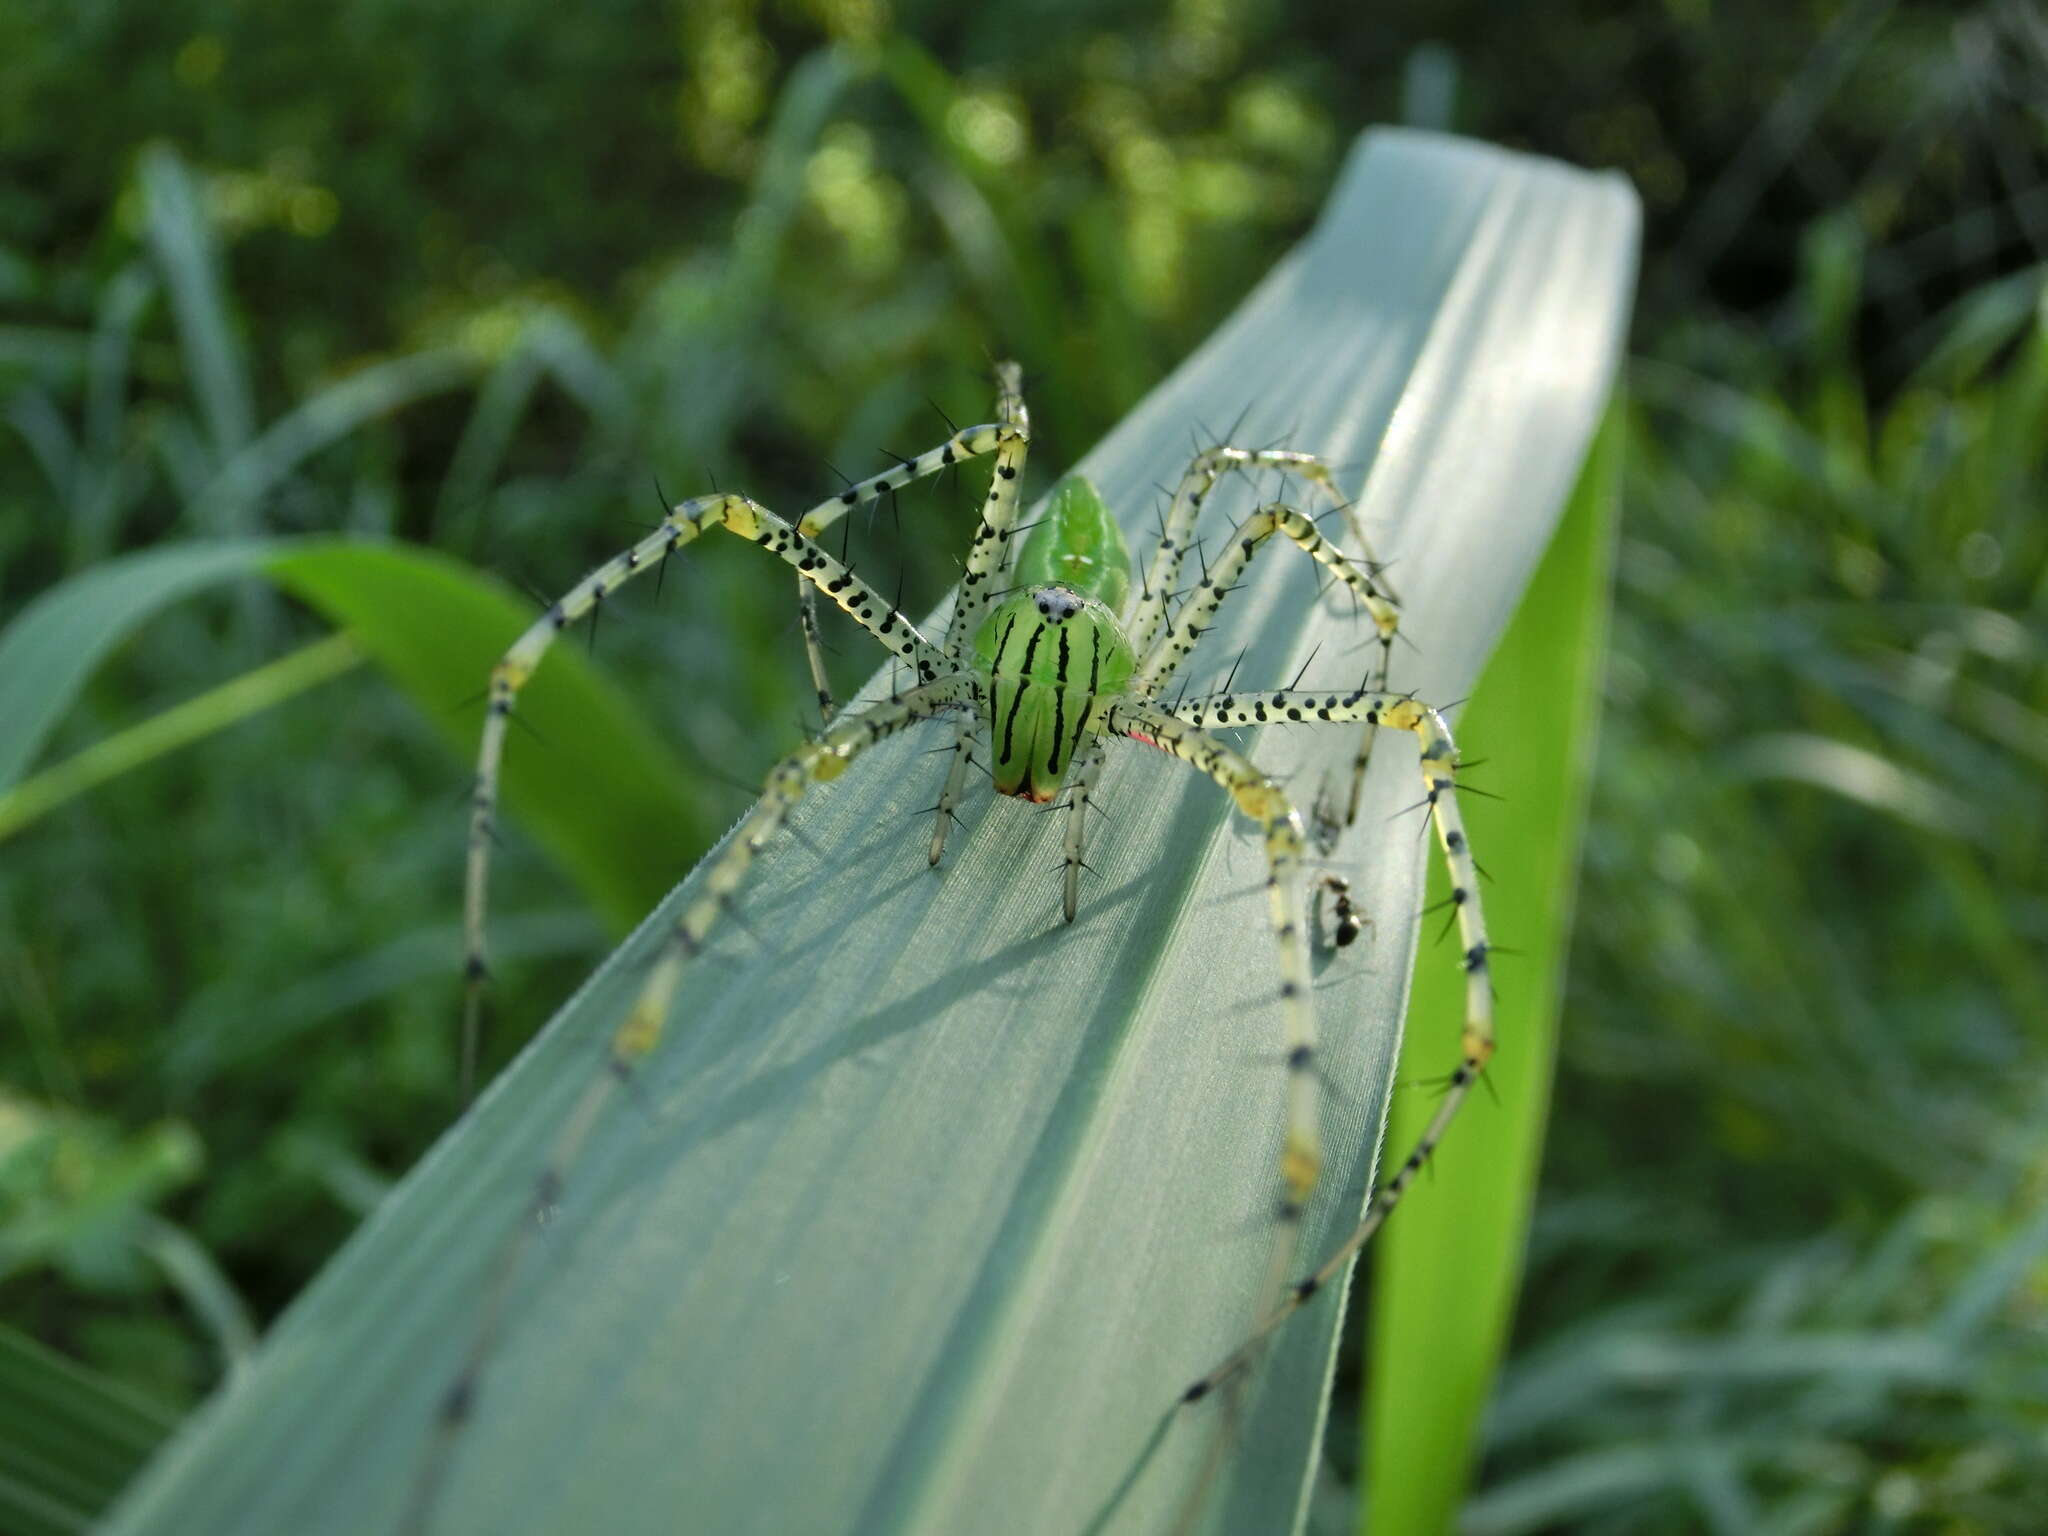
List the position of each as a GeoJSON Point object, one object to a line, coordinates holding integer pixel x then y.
{"type": "Point", "coordinates": [603, 794]}
{"type": "Point", "coordinates": [1445, 1273]}
{"type": "Point", "coordinates": [600, 791]}
{"type": "Point", "coordinates": [930, 1205]}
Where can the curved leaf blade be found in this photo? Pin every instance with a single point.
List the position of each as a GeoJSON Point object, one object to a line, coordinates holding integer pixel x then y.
{"type": "Point", "coordinates": [927, 1208]}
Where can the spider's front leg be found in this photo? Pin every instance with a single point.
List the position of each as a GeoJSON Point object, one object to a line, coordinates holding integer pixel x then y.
{"type": "Point", "coordinates": [737, 514]}
{"type": "Point", "coordinates": [1006, 437]}
{"type": "Point", "coordinates": [1182, 513]}
{"type": "Point", "coordinates": [1198, 611]}
{"type": "Point", "coordinates": [1361, 574]}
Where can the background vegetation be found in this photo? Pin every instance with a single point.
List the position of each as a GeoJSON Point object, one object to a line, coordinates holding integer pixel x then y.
{"type": "Point", "coordinates": [480, 279]}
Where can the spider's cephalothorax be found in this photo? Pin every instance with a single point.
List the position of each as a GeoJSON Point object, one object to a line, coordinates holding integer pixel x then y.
{"type": "Point", "coordinates": [1054, 653]}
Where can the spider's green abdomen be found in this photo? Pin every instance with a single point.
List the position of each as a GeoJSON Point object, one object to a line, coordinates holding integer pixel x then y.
{"type": "Point", "coordinates": [1049, 657]}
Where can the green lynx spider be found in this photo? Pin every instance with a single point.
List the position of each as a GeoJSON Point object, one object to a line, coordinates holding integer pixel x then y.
{"type": "Point", "coordinates": [1052, 657]}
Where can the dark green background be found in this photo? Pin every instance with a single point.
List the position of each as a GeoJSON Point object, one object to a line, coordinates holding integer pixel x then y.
{"type": "Point", "coordinates": [1804, 1031]}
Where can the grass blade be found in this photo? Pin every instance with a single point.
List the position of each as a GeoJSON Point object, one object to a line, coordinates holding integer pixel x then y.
{"type": "Point", "coordinates": [228, 501]}
{"type": "Point", "coordinates": [214, 710]}
{"type": "Point", "coordinates": [1445, 1273]}
{"type": "Point", "coordinates": [183, 245]}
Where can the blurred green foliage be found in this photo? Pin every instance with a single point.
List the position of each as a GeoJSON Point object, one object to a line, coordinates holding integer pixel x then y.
{"type": "Point", "coordinates": [482, 278]}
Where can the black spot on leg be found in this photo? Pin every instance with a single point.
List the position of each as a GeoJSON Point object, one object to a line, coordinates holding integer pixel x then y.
{"type": "Point", "coordinates": [1197, 1392]}
{"type": "Point", "coordinates": [1299, 1058]}
{"type": "Point", "coordinates": [1305, 1289]}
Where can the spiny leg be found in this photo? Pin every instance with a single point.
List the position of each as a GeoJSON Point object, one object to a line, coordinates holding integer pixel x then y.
{"type": "Point", "coordinates": [741, 516]}
{"type": "Point", "coordinates": [969, 443]}
{"type": "Point", "coordinates": [1196, 614]}
{"type": "Point", "coordinates": [987, 555]}
{"type": "Point", "coordinates": [1394, 712]}
{"type": "Point", "coordinates": [1008, 437]}
{"type": "Point", "coordinates": [948, 808]}
{"type": "Point", "coordinates": [1361, 759]}
{"type": "Point", "coordinates": [1267, 804]}
{"type": "Point", "coordinates": [1207, 467]}
{"type": "Point", "coordinates": [1081, 777]}
{"type": "Point", "coordinates": [635, 1038]}
{"type": "Point", "coordinates": [1185, 510]}
{"type": "Point", "coordinates": [814, 649]}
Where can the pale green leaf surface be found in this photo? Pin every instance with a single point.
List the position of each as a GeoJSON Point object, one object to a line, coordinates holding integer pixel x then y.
{"type": "Point", "coordinates": [929, 1205]}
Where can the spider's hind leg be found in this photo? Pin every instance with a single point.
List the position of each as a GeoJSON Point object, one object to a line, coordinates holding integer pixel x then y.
{"type": "Point", "coordinates": [685, 522]}
{"type": "Point", "coordinates": [641, 1032]}
{"type": "Point", "coordinates": [1286, 846]}
{"type": "Point", "coordinates": [1439, 757]}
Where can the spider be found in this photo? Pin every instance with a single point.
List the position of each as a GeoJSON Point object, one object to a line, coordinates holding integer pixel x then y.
{"type": "Point", "coordinates": [1053, 653]}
